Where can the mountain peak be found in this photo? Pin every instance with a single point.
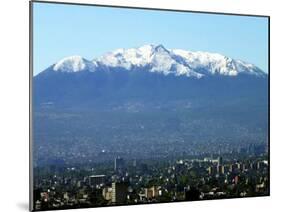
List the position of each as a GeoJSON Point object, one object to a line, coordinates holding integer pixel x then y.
{"type": "Point", "coordinates": [159, 48]}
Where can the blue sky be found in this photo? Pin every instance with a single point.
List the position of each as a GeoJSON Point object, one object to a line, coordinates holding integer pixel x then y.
{"type": "Point", "coordinates": [63, 30]}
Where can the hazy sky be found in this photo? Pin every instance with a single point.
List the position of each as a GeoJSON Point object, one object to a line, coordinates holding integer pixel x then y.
{"type": "Point", "coordinates": [64, 30]}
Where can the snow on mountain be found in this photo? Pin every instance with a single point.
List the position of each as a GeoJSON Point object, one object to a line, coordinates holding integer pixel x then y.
{"type": "Point", "coordinates": [213, 63]}
{"type": "Point", "coordinates": [74, 64]}
{"type": "Point", "coordinates": [156, 58]}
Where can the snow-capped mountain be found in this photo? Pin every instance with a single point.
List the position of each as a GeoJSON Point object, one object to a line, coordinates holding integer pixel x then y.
{"type": "Point", "coordinates": [158, 59]}
{"type": "Point", "coordinates": [150, 73]}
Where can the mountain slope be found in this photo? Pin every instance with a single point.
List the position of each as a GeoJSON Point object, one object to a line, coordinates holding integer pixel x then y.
{"type": "Point", "coordinates": [148, 73]}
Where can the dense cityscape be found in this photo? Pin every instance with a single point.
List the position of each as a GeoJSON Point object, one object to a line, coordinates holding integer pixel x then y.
{"type": "Point", "coordinates": [122, 181]}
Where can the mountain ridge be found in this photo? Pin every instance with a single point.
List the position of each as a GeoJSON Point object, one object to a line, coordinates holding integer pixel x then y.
{"type": "Point", "coordinates": [158, 59]}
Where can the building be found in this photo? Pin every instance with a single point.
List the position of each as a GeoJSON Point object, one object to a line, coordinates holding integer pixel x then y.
{"type": "Point", "coordinates": [119, 192]}
{"type": "Point", "coordinates": [239, 166]}
{"type": "Point", "coordinates": [236, 180]}
{"type": "Point", "coordinates": [66, 196]}
{"type": "Point", "coordinates": [148, 193]}
{"type": "Point", "coordinates": [253, 166]}
{"type": "Point", "coordinates": [119, 164]}
{"type": "Point", "coordinates": [107, 193]}
{"type": "Point", "coordinates": [260, 165]}
{"type": "Point", "coordinates": [151, 192]}
{"type": "Point", "coordinates": [243, 167]}
{"type": "Point", "coordinates": [220, 169]}
{"type": "Point", "coordinates": [211, 170]}
{"type": "Point", "coordinates": [96, 180]}
{"type": "Point", "coordinates": [219, 161]}
{"type": "Point", "coordinates": [233, 168]}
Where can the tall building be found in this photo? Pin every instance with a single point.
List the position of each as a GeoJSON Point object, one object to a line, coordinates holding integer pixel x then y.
{"type": "Point", "coordinates": [220, 169]}
{"type": "Point", "coordinates": [95, 180]}
{"type": "Point", "coordinates": [119, 164]}
{"type": "Point", "coordinates": [119, 192]}
{"type": "Point", "coordinates": [211, 170]}
{"type": "Point", "coordinates": [219, 161]}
